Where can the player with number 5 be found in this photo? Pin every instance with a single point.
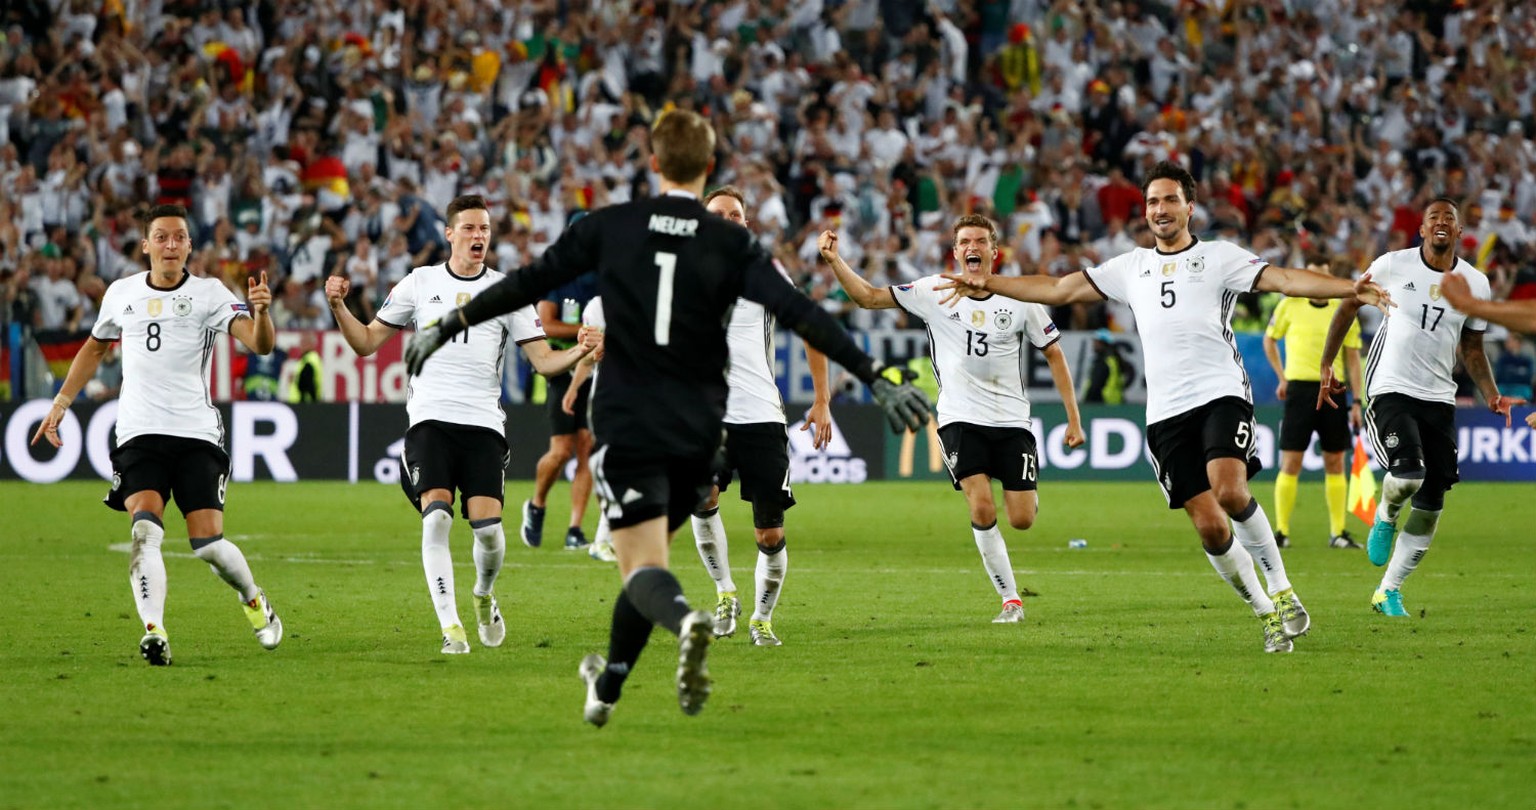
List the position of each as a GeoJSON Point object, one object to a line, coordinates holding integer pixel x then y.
{"type": "Point", "coordinates": [1199, 402]}
{"type": "Point", "coordinates": [170, 438]}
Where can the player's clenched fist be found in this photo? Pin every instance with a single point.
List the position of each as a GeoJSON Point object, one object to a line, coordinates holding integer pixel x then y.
{"type": "Point", "coordinates": [827, 244]}
{"type": "Point", "coordinates": [258, 294]}
{"type": "Point", "coordinates": [336, 289]}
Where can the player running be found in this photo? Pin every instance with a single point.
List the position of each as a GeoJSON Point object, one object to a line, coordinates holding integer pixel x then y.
{"type": "Point", "coordinates": [1199, 406]}
{"type": "Point", "coordinates": [978, 361]}
{"type": "Point", "coordinates": [170, 438]}
{"type": "Point", "coordinates": [457, 436]}
{"type": "Point", "coordinates": [1411, 417]}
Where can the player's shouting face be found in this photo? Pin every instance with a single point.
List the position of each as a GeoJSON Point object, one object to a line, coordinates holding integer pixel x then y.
{"type": "Point", "coordinates": [975, 252]}
{"type": "Point", "coordinates": [1168, 211]}
{"type": "Point", "coordinates": [1441, 228]}
{"type": "Point", "coordinates": [469, 235]}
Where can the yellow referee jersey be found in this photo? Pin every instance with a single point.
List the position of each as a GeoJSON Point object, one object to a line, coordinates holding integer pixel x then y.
{"type": "Point", "coordinates": [1304, 327]}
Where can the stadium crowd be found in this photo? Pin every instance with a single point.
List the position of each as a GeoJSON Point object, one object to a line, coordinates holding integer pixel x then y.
{"type": "Point", "coordinates": [312, 137]}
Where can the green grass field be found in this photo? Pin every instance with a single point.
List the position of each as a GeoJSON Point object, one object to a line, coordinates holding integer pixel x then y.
{"type": "Point", "coordinates": [1137, 680]}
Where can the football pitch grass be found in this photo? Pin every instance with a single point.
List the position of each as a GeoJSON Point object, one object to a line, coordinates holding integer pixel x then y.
{"type": "Point", "coordinates": [1137, 680]}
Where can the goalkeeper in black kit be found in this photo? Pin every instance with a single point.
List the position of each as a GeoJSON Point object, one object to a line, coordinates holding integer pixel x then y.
{"type": "Point", "coordinates": [669, 273]}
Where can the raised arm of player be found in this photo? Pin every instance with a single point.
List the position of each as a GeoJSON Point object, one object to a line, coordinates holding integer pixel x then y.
{"type": "Point", "coordinates": [862, 292]}
{"type": "Point", "coordinates": [1061, 375]}
{"type": "Point", "coordinates": [365, 340]}
{"type": "Point", "coordinates": [1299, 282]}
{"type": "Point", "coordinates": [1071, 289]}
{"type": "Point", "coordinates": [257, 332]}
{"type": "Point", "coordinates": [1475, 359]}
{"type": "Point", "coordinates": [1517, 315]}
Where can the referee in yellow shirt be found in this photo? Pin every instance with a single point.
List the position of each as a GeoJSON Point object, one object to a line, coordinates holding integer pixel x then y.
{"type": "Point", "coordinates": [1303, 324]}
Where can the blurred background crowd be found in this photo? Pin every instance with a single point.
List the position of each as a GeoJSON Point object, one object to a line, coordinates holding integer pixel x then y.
{"type": "Point", "coordinates": [315, 137]}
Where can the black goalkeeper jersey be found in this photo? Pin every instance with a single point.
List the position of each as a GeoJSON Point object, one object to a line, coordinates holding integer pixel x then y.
{"type": "Point", "coordinates": [669, 273]}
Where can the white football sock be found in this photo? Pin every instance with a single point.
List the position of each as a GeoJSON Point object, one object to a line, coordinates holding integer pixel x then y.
{"type": "Point", "coordinates": [604, 534]}
{"type": "Point", "coordinates": [1259, 541]}
{"type": "Point", "coordinates": [1410, 548]}
{"type": "Point", "coordinates": [1236, 567]}
{"type": "Point", "coordinates": [770, 579]}
{"type": "Point", "coordinates": [146, 570]}
{"type": "Point", "coordinates": [489, 552]}
{"type": "Point", "coordinates": [226, 560]}
{"type": "Point", "coordinates": [438, 563]}
{"type": "Point", "coordinates": [994, 557]}
{"type": "Point", "coordinates": [714, 551]}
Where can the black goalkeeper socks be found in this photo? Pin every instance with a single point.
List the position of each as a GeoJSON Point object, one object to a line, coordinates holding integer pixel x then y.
{"type": "Point", "coordinates": [659, 597]}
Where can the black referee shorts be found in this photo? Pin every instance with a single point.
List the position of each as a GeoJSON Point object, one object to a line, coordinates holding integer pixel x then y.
{"type": "Point", "coordinates": [560, 422]}
{"type": "Point", "coordinates": [1303, 418]}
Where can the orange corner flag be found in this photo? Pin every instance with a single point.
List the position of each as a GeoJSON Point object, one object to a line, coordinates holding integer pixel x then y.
{"type": "Point", "coordinates": [1362, 485]}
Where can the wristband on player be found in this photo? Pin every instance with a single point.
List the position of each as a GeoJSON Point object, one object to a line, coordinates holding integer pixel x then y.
{"type": "Point", "coordinates": [63, 401]}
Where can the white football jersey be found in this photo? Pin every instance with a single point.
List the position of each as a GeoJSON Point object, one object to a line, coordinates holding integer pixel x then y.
{"type": "Point", "coordinates": [1414, 351]}
{"type": "Point", "coordinates": [461, 382]}
{"type": "Point", "coordinates": [978, 352]}
{"type": "Point", "coordinates": [1183, 304]}
{"type": "Point", "coordinates": [754, 393]}
{"type": "Point", "coordinates": [168, 336]}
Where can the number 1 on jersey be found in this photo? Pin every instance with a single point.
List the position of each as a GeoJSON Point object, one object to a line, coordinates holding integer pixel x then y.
{"type": "Point", "coordinates": [667, 263]}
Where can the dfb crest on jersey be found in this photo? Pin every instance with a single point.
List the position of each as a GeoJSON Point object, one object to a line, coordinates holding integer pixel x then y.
{"type": "Point", "coordinates": [117, 480]}
{"type": "Point", "coordinates": [414, 471]}
{"type": "Point", "coordinates": [154, 307]}
{"type": "Point", "coordinates": [181, 306]}
{"type": "Point", "coordinates": [1197, 264]}
{"type": "Point", "coordinates": [1434, 292]}
{"type": "Point", "coordinates": [1390, 441]}
{"type": "Point", "coordinates": [1168, 268]}
{"type": "Point", "coordinates": [1004, 319]}
{"type": "Point", "coordinates": [461, 299]}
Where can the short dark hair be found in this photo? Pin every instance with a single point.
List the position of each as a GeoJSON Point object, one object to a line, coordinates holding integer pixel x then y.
{"type": "Point", "coordinates": [1168, 170]}
{"type": "Point", "coordinates": [161, 211]}
{"type": "Point", "coordinates": [976, 221]}
{"type": "Point", "coordinates": [465, 202]}
{"type": "Point", "coordinates": [1454, 204]}
{"type": "Point", "coordinates": [727, 191]}
{"type": "Point", "coordinates": [684, 144]}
